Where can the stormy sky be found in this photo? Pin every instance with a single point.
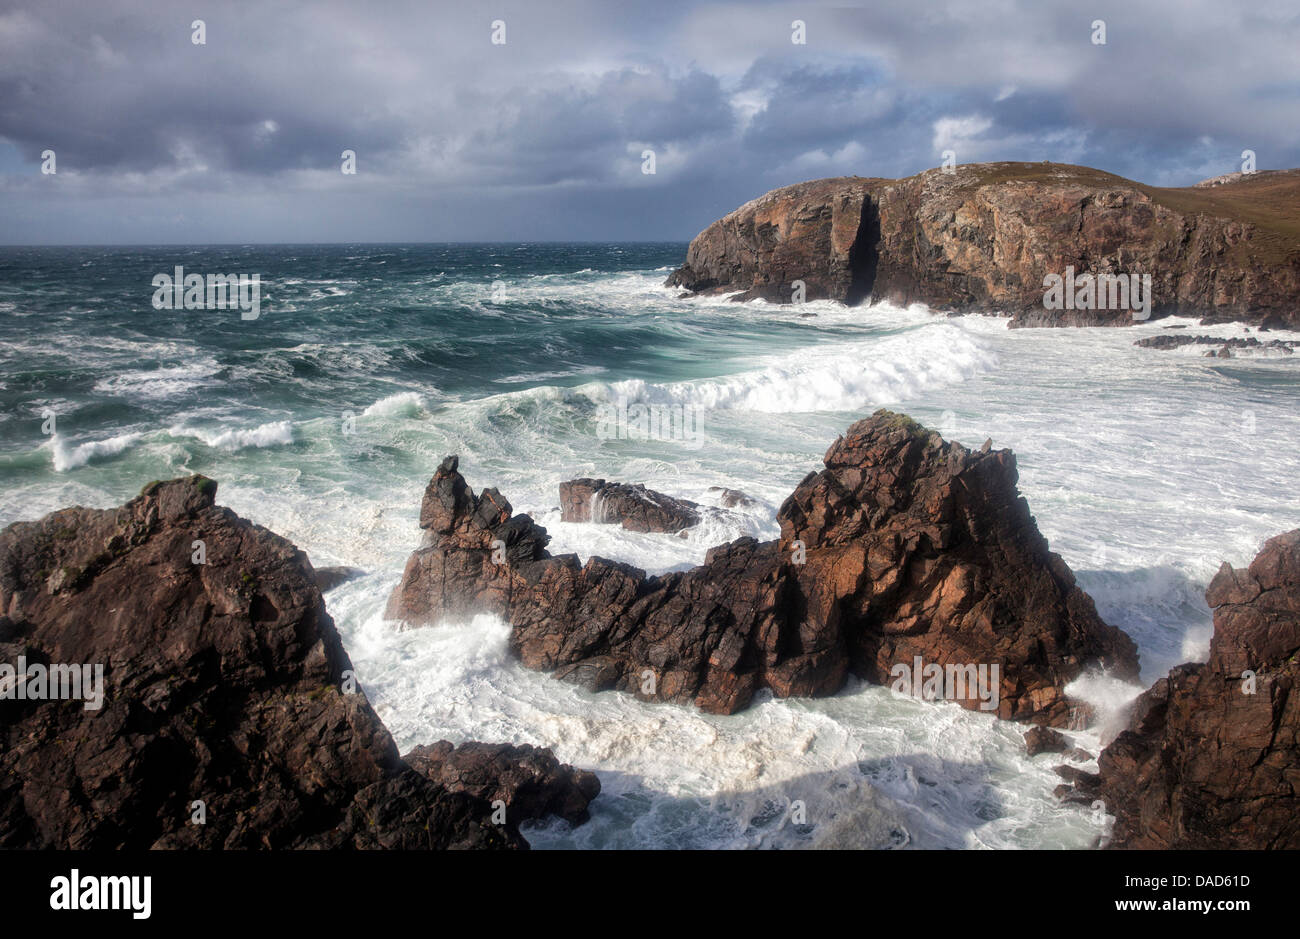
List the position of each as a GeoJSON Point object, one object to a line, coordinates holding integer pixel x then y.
{"type": "Point", "coordinates": [160, 140]}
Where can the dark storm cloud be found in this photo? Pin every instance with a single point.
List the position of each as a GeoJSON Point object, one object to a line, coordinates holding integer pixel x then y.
{"type": "Point", "coordinates": [577, 134]}
{"type": "Point", "coordinates": [158, 139]}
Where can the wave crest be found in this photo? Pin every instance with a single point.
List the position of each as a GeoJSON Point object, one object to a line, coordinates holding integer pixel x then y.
{"type": "Point", "coordinates": [832, 378]}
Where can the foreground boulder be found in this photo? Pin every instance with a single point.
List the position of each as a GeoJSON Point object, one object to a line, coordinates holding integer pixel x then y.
{"type": "Point", "coordinates": [983, 238]}
{"type": "Point", "coordinates": [907, 552]}
{"type": "Point", "coordinates": [1211, 756]}
{"type": "Point", "coordinates": [635, 507]}
{"type": "Point", "coordinates": [225, 713]}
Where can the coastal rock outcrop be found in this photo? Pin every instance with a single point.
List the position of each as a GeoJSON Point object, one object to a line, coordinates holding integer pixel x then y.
{"type": "Point", "coordinates": [182, 686]}
{"type": "Point", "coordinates": [1211, 756]}
{"type": "Point", "coordinates": [983, 237]}
{"type": "Point", "coordinates": [905, 552]}
{"type": "Point", "coordinates": [811, 233]}
{"type": "Point", "coordinates": [529, 780]}
{"type": "Point", "coordinates": [634, 506]}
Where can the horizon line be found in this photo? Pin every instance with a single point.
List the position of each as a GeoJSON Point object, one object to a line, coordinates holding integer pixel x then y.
{"type": "Point", "coordinates": [332, 244]}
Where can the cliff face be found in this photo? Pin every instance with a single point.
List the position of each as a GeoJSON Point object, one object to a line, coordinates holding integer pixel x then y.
{"type": "Point", "coordinates": [810, 232]}
{"type": "Point", "coordinates": [983, 238]}
{"type": "Point", "coordinates": [224, 714]}
{"type": "Point", "coordinates": [904, 546]}
{"type": "Point", "coordinates": [1211, 757]}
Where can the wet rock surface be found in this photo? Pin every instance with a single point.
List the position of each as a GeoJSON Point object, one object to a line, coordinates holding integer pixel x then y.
{"type": "Point", "coordinates": [226, 695]}
{"type": "Point", "coordinates": [529, 780]}
{"type": "Point", "coordinates": [1044, 740]}
{"type": "Point", "coordinates": [1238, 342]}
{"type": "Point", "coordinates": [905, 550]}
{"type": "Point", "coordinates": [634, 507]}
{"type": "Point", "coordinates": [1211, 756]}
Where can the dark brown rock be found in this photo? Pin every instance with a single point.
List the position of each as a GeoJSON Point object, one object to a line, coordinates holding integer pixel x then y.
{"type": "Point", "coordinates": [530, 781]}
{"type": "Point", "coordinates": [1080, 779]}
{"type": "Point", "coordinates": [903, 547]}
{"type": "Point", "coordinates": [1204, 763]}
{"type": "Point", "coordinates": [1069, 794]}
{"type": "Point", "coordinates": [810, 232]}
{"type": "Point", "coordinates": [635, 507]}
{"type": "Point", "coordinates": [327, 578]}
{"type": "Point", "coordinates": [982, 239]}
{"type": "Point", "coordinates": [223, 682]}
{"type": "Point", "coordinates": [1044, 740]}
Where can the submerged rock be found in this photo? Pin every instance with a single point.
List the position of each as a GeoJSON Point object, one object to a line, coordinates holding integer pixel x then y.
{"type": "Point", "coordinates": [228, 714]}
{"type": "Point", "coordinates": [733, 498]}
{"type": "Point", "coordinates": [1211, 756]}
{"type": "Point", "coordinates": [327, 578]}
{"type": "Point", "coordinates": [905, 551]}
{"type": "Point", "coordinates": [1238, 342]}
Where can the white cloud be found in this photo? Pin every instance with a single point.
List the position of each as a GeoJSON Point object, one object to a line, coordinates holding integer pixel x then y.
{"type": "Point", "coordinates": [959, 133]}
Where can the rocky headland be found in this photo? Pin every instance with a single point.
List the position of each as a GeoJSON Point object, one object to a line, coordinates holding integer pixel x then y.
{"type": "Point", "coordinates": [215, 706]}
{"type": "Point", "coordinates": [983, 237]}
{"type": "Point", "coordinates": [905, 549]}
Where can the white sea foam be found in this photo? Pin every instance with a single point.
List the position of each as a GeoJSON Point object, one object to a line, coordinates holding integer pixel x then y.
{"type": "Point", "coordinates": [861, 769]}
{"type": "Point", "coordinates": [402, 404]}
{"type": "Point", "coordinates": [1110, 698]}
{"type": "Point", "coordinates": [846, 377]}
{"type": "Point", "coordinates": [70, 457]}
{"type": "Point", "coordinates": [272, 434]}
{"type": "Point", "coordinates": [160, 383]}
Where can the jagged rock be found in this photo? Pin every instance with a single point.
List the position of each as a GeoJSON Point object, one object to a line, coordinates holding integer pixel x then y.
{"type": "Point", "coordinates": [530, 781]}
{"type": "Point", "coordinates": [224, 682]}
{"type": "Point", "coordinates": [1211, 756]}
{"type": "Point", "coordinates": [634, 506]}
{"type": "Point", "coordinates": [904, 547]}
{"type": "Point", "coordinates": [982, 239]}
{"type": "Point", "coordinates": [1044, 740]}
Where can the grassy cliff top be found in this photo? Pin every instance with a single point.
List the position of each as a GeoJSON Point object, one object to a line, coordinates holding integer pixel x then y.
{"type": "Point", "coordinates": [1268, 199]}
